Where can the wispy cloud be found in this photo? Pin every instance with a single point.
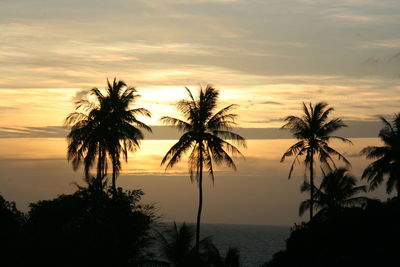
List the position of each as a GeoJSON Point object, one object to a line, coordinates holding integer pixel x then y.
{"type": "Point", "coordinates": [354, 18]}
{"type": "Point", "coordinates": [389, 43]}
{"type": "Point", "coordinates": [356, 129]}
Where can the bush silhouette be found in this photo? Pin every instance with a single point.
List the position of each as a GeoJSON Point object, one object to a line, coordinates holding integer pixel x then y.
{"type": "Point", "coordinates": [86, 229]}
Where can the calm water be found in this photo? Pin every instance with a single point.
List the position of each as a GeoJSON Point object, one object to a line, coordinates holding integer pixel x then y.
{"type": "Point", "coordinates": [256, 243]}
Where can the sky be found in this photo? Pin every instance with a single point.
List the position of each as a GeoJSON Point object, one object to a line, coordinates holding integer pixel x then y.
{"type": "Point", "coordinates": [266, 56]}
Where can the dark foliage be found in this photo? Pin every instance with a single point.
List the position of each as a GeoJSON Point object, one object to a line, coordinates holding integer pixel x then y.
{"type": "Point", "coordinates": [387, 157]}
{"type": "Point", "coordinates": [86, 229]}
{"type": "Point", "coordinates": [106, 127]}
{"type": "Point", "coordinates": [350, 237]}
{"type": "Point", "coordinates": [337, 190]}
{"type": "Point", "coordinates": [177, 246]}
{"type": "Point", "coordinates": [11, 222]}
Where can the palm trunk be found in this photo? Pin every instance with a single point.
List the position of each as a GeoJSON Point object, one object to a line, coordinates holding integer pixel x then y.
{"type": "Point", "coordinates": [100, 170]}
{"type": "Point", "coordinates": [114, 176]}
{"type": "Point", "coordinates": [200, 202]}
{"type": "Point", "coordinates": [312, 184]}
{"type": "Point", "coordinates": [99, 167]}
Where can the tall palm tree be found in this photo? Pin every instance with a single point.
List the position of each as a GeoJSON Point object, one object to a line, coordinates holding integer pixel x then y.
{"type": "Point", "coordinates": [105, 127]}
{"type": "Point", "coordinates": [387, 163]}
{"type": "Point", "coordinates": [313, 131]}
{"type": "Point", "coordinates": [204, 133]}
{"type": "Point", "coordinates": [337, 190]}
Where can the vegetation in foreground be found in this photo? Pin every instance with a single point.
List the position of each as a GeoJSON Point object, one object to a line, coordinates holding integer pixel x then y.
{"type": "Point", "coordinates": [85, 228]}
{"type": "Point", "coordinates": [350, 230]}
{"type": "Point", "coordinates": [365, 236]}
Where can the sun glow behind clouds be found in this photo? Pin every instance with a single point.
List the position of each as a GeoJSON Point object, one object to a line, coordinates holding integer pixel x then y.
{"type": "Point", "coordinates": [34, 169]}
{"type": "Point", "coordinates": [265, 56]}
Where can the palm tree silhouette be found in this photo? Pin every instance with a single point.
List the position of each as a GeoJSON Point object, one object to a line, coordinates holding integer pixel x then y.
{"type": "Point", "coordinates": [204, 134]}
{"type": "Point", "coordinates": [313, 130]}
{"type": "Point", "coordinates": [337, 190]}
{"type": "Point", "coordinates": [105, 127]}
{"type": "Point", "coordinates": [387, 163]}
{"type": "Point", "coordinates": [177, 247]}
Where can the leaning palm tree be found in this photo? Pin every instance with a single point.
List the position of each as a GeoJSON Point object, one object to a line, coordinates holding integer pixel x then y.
{"type": "Point", "coordinates": [313, 131]}
{"type": "Point", "coordinates": [338, 190]}
{"type": "Point", "coordinates": [105, 127]}
{"type": "Point", "coordinates": [204, 133]}
{"type": "Point", "coordinates": [387, 157]}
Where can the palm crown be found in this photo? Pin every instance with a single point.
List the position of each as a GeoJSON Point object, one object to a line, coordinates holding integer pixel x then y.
{"type": "Point", "coordinates": [204, 132]}
{"type": "Point", "coordinates": [337, 190]}
{"type": "Point", "coordinates": [105, 127]}
{"type": "Point", "coordinates": [387, 157]}
{"type": "Point", "coordinates": [313, 130]}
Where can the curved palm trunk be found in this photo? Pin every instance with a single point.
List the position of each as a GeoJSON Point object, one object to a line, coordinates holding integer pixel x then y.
{"type": "Point", "coordinates": [312, 184]}
{"type": "Point", "coordinates": [200, 202]}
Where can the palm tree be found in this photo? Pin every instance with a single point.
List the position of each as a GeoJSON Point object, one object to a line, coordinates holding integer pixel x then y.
{"type": "Point", "coordinates": [337, 190]}
{"type": "Point", "coordinates": [313, 131]}
{"type": "Point", "coordinates": [387, 163]}
{"type": "Point", "coordinates": [204, 133]}
{"type": "Point", "coordinates": [177, 247]}
{"type": "Point", "coordinates": [105, 127]}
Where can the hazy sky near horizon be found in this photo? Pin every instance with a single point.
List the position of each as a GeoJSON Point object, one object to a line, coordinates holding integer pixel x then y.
{"type": "Point", "coordinates": [267, 56]}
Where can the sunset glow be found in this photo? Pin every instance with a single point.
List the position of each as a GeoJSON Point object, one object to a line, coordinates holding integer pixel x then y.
{"type": "Point", "coordinates": [265, 56]}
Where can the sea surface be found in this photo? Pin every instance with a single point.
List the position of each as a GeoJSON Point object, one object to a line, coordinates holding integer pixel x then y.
{"type": "Point", "coordinates": [257, 243]}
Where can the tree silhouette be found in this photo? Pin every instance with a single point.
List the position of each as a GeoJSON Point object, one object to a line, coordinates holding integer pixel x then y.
{"type": "Point", "coordinates": [204, 133]}
{"type": "Point", "coordinates": [105, 127]}
{"type": "Point", "coordinates": [337, 190]}
{"type": "Point", "coordinates": [11, 233]}
{"type": "Point", "coordinates": [387, 163]}
{"type": "Point", "coordinates": [88, 229]}
{"type": "Point", "coordinates": [231, 259]}
{"type": "Point", "coordinates": [177, 247]}
{"type": "Point", "coordinates": [313, 131]}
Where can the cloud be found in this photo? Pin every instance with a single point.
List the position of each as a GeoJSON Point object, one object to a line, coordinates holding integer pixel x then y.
{"type": "Point", "coordinates": [354, 18]}
{"type": "Point", "coordinates": [389, 43]}
{"type": "Point", "coordinates": [5, 108]}
{"type": "Point", "coordinates": [371, 61]}
{"type": "Point", "coordinates": [395, 56]}
{"type": "Point", "coordinates": [355, 129]}
{"type": "Point", "coordinates": [33, 132]}
{"type": "Point", "coordinates": [80, 95]}
{"type": "Point", "coordinates": [272, 103]}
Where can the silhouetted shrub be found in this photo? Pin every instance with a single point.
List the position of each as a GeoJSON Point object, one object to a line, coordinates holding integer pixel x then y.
{"type": "Point", "coordinates": [11, 222]}
{"type": "Point", "coordinates": [87, 229]}
{"type": "Point", "coordinates": [178, 247]}
{"type": "Point", "coordinates": [350, 237]}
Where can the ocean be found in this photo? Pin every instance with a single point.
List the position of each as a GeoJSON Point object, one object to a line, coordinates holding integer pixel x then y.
{"type": "Point", "coordinates": [256, 243]}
